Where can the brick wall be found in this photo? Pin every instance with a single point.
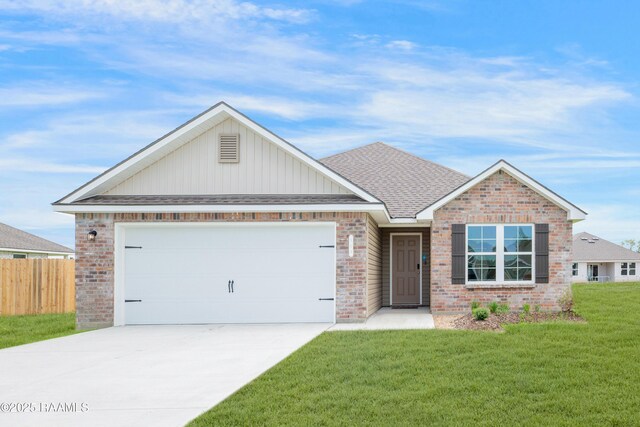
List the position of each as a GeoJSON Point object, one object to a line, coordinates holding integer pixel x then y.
{"type": "Point", "coordinates": [499, 199]}
{"type": "Point", "coordinates": [95, 260]}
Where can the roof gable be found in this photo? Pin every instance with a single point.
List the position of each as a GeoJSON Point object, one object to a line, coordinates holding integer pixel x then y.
{"type": "Point", "coordinates": [404, 182]}
{"type": "Point", "coordinates": [588, 247]}
{"type": "Point", "coordinates": [13, 238]}
{"type": "Point", "coordinates": [195, 168]}
{"type": "Point", "coordinates": [216, 115]}
{"type": "Point", "coordinates": [574, 213]}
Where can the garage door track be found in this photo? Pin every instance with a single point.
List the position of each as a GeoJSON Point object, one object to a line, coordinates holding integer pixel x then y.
{"type": "Point", "coordinates": [139, 375]}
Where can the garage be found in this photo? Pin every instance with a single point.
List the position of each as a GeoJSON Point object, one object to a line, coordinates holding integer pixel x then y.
{"type": "Point", "coordinates": [225, 273]}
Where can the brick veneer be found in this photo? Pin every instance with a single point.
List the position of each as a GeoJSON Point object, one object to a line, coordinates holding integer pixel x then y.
{"type": "Point", "coordinates": [95, 260]}
{"type": "Point", "coordinates": [499, 199]}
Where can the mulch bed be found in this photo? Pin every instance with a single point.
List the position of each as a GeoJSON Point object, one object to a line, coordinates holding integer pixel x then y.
{"type": "Point", "coordinates": [495, 321]}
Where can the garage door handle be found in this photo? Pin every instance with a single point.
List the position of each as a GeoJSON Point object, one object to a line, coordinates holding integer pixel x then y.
{"type": "Point", "coordinates": [325, 299]}
{"type": "Point", "coordinates": [133, 300]}
{"type": "Point", "coordinates": [230, 286]}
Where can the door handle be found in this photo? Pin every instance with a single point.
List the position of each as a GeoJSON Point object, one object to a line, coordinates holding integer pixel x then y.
{"type": "Point", "coordinates": [229, 286]}
{"type": "Point", "coordinates": [232, 282]}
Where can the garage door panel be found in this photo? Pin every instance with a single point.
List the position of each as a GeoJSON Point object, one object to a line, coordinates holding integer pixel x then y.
{"type": "Point", "coordinates": [181, 274]}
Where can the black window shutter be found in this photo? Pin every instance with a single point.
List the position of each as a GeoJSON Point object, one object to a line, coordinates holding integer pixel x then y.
{"type": "Point", "coordinates": [542, 253]}
{"type": "Point", "coordinates": [458, 249]}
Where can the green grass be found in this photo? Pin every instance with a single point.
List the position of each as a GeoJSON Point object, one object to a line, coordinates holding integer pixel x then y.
{"type": "Point", "coordinates": [17, 330]}
{"type": "Point", "coordinates": [534, 374]}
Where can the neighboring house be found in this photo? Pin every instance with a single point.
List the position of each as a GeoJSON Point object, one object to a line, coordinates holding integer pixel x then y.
{"type": "Point", "coordinates": [17, 244]}
{"type": "Point", "coordinates": [599, 260]}
{"type": "Point", "coordinates": [222, 221]}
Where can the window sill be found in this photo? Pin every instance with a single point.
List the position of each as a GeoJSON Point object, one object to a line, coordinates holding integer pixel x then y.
{"type": "Point", "coordinates": [525, 285]}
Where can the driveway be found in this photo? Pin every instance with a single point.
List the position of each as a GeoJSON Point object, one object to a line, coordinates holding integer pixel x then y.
{"type": "Point", "coordinates": [140, 375]}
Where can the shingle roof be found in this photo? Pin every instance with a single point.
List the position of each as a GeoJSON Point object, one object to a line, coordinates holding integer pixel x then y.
{"type": "Point", "coordinates": [404, 182]}
{"type": "Point", "coordinates": [12, 238]}
{"type": "Point", "coordinates": [587, 247]}
{"type": "Point", "coordinates": [223, 199]}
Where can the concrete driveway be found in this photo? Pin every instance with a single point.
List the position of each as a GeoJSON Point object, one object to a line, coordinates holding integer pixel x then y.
{"type": "Point", "coordinates": [139, 375]}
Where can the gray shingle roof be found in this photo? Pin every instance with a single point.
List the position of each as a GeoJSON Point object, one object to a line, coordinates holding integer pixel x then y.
{"type": "Point", "coordinates": [224, 199]}
{"type": "Point", "coordinates": [404, 182]}
{"type": "Point", "coordinates": [587, 247]}
{"type": "Point", "coordinates": [12, 238]}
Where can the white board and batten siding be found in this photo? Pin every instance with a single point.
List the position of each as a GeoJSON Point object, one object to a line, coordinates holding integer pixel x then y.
{"type": "Point", "coordinates": [263, 168]}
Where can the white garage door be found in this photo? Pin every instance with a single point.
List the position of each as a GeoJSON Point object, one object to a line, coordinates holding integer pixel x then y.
{"type": "Point", "coordinates": [245, 273]}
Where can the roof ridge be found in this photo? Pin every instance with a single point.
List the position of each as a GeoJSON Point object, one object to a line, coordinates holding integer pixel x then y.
{"type": "Point", "coordinates": [408, 153]}
{"type": "Point", "coordinates": [425, 160]}
{"type": "Point", "coordinates": [352, 149]}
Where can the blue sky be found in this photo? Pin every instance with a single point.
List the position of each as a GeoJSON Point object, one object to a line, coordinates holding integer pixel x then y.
{"type": "Point", "coordinates": [550, 86]}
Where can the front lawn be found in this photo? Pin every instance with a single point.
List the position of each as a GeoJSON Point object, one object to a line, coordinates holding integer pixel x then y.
{"type": "Point", "coordinates": [17, 330]}
{"type": "Point", "coordinates": [534, 374]}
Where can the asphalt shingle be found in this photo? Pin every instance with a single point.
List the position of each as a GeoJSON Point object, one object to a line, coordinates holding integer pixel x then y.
{"type": "Point", "coordinates": [13, 238]}
{"type": "Point", "coordinates": [587, 247]}
{"type": "Point", "coordinates": [404, 182]}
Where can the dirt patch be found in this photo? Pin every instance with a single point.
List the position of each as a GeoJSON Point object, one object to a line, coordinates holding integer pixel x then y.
{"type": "Point", "coordinates": [495, 321]}
{"type": "Point", "coordinates": [445, 321]}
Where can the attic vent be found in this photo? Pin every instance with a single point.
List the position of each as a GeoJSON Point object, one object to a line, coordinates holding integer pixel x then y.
{"type": "Point", "coordinates": [583, 238]}
{"type": "Point", "coordinates": [228, 148]}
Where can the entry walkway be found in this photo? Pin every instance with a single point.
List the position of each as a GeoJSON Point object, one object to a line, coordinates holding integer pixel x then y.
{"type": "Point", "coordinates": [392, 318]}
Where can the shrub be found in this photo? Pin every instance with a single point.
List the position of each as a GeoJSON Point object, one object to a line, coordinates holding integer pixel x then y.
{"type": "Point", "coordinates": [502, 308]}
{"type": "Point", "coordinates": [536, 308]}
{"type": "Point", "coordinates": [526, 308]}
{"type": "Point", "coordinates": [480, 313]}
{"type": "Point", "coordinates": [474, 305]}
{"type": "Point", "coordinates": [566, 300]}
{"type": "Point", "coordinates": [493, 307]}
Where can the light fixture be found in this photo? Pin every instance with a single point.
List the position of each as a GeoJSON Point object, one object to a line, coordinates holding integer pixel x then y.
{"type": "Point", "coordinates": [91, 236]}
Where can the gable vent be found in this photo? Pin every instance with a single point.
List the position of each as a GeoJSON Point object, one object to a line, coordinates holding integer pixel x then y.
{"type": "Point", "coordinates": [229, 148]}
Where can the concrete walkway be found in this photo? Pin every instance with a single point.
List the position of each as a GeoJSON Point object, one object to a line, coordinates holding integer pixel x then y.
{"type": "Point", "coordinates": [139, 375]}
{"type": "Point", "coordinates": [392, 318]}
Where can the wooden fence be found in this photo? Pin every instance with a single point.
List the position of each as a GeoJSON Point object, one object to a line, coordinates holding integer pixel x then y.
{"type": "Point", "coordinates": [37, 286]}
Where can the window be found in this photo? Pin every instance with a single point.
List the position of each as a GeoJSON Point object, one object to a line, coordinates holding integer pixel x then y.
{"type": "Point", "coordinates": [19, 256]}
{"type": "Point", "coordinates": [499, 253]}
{"type": "Point", "coordinates": [628, 269]}
{"type": "Point", "coordinates": [574, 269]}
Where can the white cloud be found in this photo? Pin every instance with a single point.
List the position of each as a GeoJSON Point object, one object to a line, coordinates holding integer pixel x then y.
{"type": "Point", "coordinates": [401, 45]}
{"type": "Point", "coordinates": [38, 94]}
{"type": "Point", "coordinates": [34, 165]}
{"type": "Point", "coordinates": [180, 11]}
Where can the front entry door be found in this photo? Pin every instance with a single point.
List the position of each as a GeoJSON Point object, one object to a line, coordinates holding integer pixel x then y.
{"type": "Point", "coordinates": [593, 273]}
{"type": "Point", "coordinates": [405, 269]}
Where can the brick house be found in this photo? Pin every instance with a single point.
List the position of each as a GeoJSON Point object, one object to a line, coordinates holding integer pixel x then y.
{"type": "Point", "coordinates": [222, 221]}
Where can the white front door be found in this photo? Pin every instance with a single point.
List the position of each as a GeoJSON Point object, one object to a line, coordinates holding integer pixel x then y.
{"type": "Point", "coordinates": [229, 273]}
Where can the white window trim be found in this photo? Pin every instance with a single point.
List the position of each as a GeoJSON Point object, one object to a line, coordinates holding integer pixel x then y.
{"type": "Point", "coordinates": [500, 253]}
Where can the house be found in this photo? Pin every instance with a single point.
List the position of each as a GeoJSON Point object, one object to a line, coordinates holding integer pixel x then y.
{"type": "Point", "coordinates": [222, 221]}
{"type": "Point", "coordinates": [16, 244]}
{"type": "Point", "coordinates": [599, 260]}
